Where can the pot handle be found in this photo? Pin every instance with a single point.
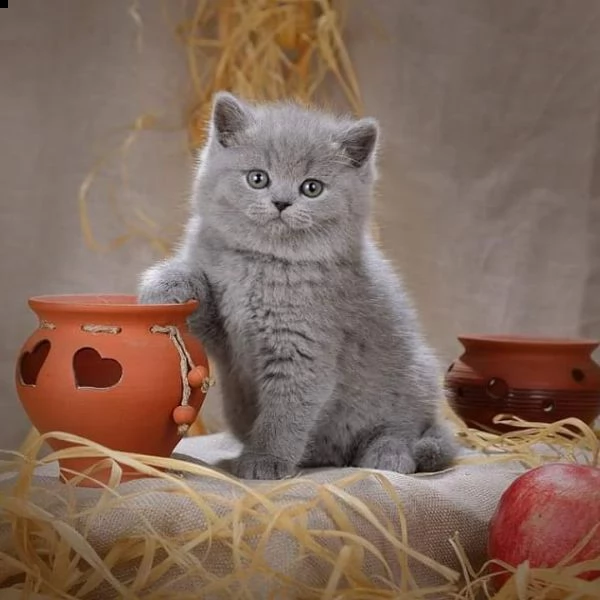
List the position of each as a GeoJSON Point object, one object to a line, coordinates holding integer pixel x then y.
{"type": "Point", "coordinates": [192, 377]}
{"type": "Point", "coordinates": [184, 414]}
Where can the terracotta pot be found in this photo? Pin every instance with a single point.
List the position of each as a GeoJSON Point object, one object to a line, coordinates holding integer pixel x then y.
{"type": "Point", "coordinates": [128, 376]}
{"type": "Point", "coordinates": [536, 379]}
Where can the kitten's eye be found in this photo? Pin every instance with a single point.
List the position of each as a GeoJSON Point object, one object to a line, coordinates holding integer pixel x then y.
{"type": "Point", "coordinates": [257, 179]}
{"type": "Point", "coordinates": [311, 188]}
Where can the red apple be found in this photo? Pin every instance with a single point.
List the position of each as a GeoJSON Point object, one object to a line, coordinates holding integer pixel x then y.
{"type": "Point", "coordinates": [544, 514]}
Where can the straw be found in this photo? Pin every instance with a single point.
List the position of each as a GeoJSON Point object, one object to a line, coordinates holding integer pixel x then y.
{"type": "Point", "coordinates": [53, 556]}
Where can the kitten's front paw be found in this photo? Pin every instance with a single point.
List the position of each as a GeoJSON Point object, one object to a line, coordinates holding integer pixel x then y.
{"type": "Point", "coordinates": [163, 285]}
{"type": "Point", "coordinates": [251, 465]}
{"type": "Point", "coordinates": [165, 294]}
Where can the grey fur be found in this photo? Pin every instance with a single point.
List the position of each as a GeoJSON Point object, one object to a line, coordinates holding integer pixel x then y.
{"type": "Point", "coordinates": [317, 347]}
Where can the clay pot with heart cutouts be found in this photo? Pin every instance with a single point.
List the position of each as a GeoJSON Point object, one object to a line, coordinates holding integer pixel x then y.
{"type": "Point", "coordinates": [128, 376]}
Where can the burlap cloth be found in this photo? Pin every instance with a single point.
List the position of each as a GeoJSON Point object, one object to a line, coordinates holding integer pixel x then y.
{"type": "Point", "coordinates": [459, 501]}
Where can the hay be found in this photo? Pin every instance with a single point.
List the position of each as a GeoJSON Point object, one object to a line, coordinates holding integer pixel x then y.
{"type": "Point", "coordinates": [51, 556]}
{"type": "Point", "coordinates": [141, 226]}
{"type": "Point", "coordinates": [532, 443]}
{"type": "Point", "coordinates": [265, 50]}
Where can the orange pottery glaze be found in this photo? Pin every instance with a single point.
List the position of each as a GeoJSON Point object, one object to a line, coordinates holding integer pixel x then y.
{"type": "Point", "coordinates": [110, 370]}
{"type": "Point", "coordinates": [536, 379]}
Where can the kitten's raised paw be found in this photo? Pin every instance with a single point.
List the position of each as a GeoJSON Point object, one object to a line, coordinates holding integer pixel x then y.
{"type": "Point", "coordinates": [162, 285]}
{"type": "Point", "coordinates": [251, 465]}
{"type": "Point", "coordinates": [172, 294]}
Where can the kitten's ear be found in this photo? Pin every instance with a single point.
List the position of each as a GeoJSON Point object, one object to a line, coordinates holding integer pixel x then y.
{"type": "Point", "coordinates": [359, 141]}
{"type": "Point", "coordinates": [230, 117]}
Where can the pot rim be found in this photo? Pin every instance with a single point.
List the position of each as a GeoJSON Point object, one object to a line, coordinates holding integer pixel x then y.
{"type": "Point", "coordinates": [525, 340]}
{"type": "Point", "coordinates": [105, 304]}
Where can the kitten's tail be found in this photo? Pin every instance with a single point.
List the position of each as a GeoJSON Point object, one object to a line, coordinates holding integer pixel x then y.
{"type": "Point", "coordinates": [436, 449]}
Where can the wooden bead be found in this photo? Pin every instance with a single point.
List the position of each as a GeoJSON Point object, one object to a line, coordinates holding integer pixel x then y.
{"type": "Point", "coordinates": [197, 376]}
{"type": "Point", "coordinates": [184, 415]}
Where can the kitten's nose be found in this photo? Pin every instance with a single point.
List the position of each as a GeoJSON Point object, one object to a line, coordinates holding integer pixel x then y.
{"type": "Point", "coordinates": [281, 206]}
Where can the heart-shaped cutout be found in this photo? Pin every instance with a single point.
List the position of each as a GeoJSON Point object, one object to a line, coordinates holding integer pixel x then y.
{"type": "Point", "coordinates": [93, 371]}
{"type": "Point", "coordinates": [31, 363]}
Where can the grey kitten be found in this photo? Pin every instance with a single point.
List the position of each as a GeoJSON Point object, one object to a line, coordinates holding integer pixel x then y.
{"type": "Point", "coordinates": [317, 348]}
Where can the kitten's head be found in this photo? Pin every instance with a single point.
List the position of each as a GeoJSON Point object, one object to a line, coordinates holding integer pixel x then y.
{"type": "Point", "coordinates": [285, 180]}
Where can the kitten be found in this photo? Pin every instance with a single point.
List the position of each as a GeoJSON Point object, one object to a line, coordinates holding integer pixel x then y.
{"type": "Point", "coordinates": [317, 347]}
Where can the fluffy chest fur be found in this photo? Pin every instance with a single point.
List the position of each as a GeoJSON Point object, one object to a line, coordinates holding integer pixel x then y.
{"type": "Point", "coordinates": [274, 307]}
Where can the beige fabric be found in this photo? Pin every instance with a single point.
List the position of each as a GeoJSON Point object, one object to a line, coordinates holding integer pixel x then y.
{"type": "Point", "coordinates": [458, 501]}
{"type": "Point", "coordinates": [489, 170]}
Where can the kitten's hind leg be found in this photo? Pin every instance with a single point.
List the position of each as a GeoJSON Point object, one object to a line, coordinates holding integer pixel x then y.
{"type": "Point", "coordinates": [385, 449]}
{"type": "Point", "coordinates": [436, 449]}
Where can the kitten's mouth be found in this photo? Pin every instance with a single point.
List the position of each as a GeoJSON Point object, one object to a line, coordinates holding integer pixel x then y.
{"type": "Point", "coordinates": [278, 225]}
{"type": "Point", "coordinates": [295, 222]}
{"type": "Point", "coordinates": [279, 217]}
{"type": "Point", "coordinates": [280, 222]}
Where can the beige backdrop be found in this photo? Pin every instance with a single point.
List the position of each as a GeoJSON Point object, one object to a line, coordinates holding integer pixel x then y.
{"type": "Point", "coordinates": [490, 178]}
